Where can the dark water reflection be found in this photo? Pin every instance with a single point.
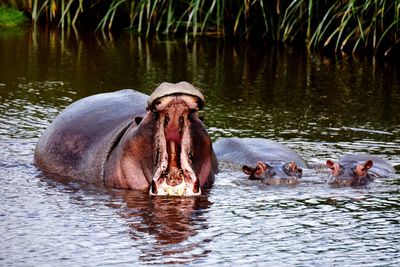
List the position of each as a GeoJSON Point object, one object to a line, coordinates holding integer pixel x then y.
{"type": "Point", "coordinates": [172, 221]}
{"type": "Point", "coordinates": [320, 107]}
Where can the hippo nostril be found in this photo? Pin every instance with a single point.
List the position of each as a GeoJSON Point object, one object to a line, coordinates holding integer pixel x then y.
{"type": "Point", "coordinates": [181, 122]}
{"type": "Point", "coordinates": [153, 188]}
{"type": "Point", "coordinates": [166, 120]}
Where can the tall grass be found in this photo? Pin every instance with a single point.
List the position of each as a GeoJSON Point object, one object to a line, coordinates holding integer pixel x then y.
{"type": "Point", "coordinates": [347, 26]}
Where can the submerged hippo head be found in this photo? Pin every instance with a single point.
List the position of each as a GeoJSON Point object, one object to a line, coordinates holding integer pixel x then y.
{"type": "Point", "coordinates": [349, 173]}
{"type": "Point", "coordinates": [283, 173]}
{"type": "Point", "coordinates": [169, 151]}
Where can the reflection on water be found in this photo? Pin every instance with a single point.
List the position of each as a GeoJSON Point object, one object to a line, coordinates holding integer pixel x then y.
{"type": "Point", "coordinates": [320, 107]}
{"type": "Point", "coordinates": [171, 221]}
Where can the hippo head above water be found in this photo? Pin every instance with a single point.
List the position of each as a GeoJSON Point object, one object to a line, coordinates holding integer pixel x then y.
{"type": "Point", "coordinates": [182, 142]}
{"type": "Point", "coordinates": [349, 173]}
{"type": "Point", "coordinates": [126, 139]}
{"type": "Point", "coordinates": [282, 173]}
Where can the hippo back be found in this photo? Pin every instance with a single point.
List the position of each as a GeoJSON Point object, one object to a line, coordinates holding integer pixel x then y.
{"type": "Point", "coordinates": [380, 168]}
{"type": "Point", "coordinates": [249, 151]}
{"type": "Point", "coordinates": [78, 142]}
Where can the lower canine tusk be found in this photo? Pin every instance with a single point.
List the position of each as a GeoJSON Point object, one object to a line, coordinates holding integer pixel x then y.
{"type": "Point", "coordinates": [196, 186]}
{"type": "Point", "coordinates": [153, 188]}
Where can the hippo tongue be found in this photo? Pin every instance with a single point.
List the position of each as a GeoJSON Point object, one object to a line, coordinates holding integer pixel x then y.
{"type": "Point", "coordinates": [174, 173]}
{"type": "Point", "coordinates": [173, 136]}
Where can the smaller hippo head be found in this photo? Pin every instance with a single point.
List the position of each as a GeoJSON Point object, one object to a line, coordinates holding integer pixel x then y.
{"type": "Point", "coordinates": [349, 173]}
{"type": "Point", "coordinates": [283, 173]}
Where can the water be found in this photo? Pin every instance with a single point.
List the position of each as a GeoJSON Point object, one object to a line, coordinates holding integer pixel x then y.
{"type": "Point", "coordinates": [320, 107]}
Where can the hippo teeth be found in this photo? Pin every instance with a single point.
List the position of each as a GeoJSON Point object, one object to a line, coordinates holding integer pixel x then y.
{"type": "Point", "coordinates": [174, 175]}
{"type": "Point", "coordinates": [182, 189]}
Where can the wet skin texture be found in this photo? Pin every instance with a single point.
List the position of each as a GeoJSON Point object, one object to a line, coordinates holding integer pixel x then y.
{"type": "Point", "coordinates": [111, 139]}
{"type": "Point", "coordinates": [274, 163]}
{"type": "Point", "coordinates": [358, 170]}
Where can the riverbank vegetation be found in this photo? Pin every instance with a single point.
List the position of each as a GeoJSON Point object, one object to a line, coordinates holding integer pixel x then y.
{"type": "Point", "coordinates": [346, 26]}
{"type": "Point", "coordinates": [11, 17]}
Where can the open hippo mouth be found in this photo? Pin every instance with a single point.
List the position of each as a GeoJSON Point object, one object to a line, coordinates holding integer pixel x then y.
{"type": "Point", "coordinates": [174, 174]}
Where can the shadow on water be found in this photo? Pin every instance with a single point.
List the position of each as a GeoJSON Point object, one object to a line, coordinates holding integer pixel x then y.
{"type": "Point", "coordinates": [320, 107]}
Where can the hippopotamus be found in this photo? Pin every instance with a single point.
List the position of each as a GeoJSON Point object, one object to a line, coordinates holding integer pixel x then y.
{"type": "Point", "coordinates": [357, 170]}
{"type": "Point", "coordinates": [129, 140]}
{"type": "Point", "coordinates": [274, 163]}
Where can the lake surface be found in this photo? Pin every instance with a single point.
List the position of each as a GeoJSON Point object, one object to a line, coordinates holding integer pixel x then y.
{"type": "Point", "coordinates": [320, 107]}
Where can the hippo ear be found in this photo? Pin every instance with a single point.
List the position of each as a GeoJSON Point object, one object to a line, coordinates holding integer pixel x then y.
{"type": "Point", "coordinates": [247, 170]}
{"type": "Point", "coordinates": [293, 166]}
{"type": "Point", "coordinates": [138, 120]}
{"type": "Point", "coordinates": [330, 164]}
{"type": "Point", "coordinates": [261, 167]}
{"type": "Point", "coordinates": [362, 169]}
{"type": "Point", "coordinates": [368, 164]}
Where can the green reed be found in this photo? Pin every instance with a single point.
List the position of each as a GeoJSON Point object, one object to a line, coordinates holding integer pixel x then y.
{"type": "Point", "coordinates": [359, 25]}
{"type": "Point", "coordinates": [347, 26]}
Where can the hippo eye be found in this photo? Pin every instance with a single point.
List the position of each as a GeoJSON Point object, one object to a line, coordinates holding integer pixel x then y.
{"type": "Point", "coordinates": [199, 103]}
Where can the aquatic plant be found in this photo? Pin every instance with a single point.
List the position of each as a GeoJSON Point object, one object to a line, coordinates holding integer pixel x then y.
{"type": "Point", "coordinates": [359, 25]}
{"type": "Point", "coordinates": [11, 17]}
{"type": "Point", "coordinates": [347, 26]}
